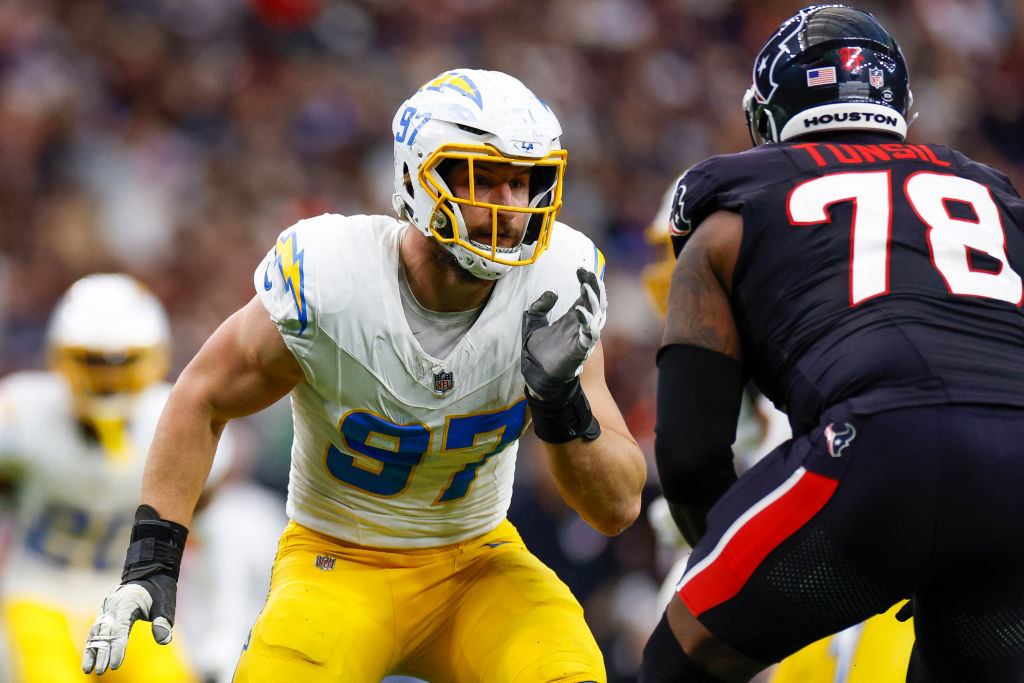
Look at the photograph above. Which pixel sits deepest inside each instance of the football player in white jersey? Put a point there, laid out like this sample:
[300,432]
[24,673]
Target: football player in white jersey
[416,352]
[73,444]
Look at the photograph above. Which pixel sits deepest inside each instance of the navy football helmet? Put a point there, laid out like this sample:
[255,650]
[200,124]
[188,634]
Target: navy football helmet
[828,67]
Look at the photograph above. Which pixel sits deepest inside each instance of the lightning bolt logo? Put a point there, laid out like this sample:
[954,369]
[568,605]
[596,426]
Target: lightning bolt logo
[459,82]
[289,261]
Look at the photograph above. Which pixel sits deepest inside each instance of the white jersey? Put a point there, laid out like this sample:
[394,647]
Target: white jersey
[75,494]
[395,448]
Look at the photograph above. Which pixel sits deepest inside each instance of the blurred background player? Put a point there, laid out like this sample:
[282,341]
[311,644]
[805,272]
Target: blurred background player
[874,651]
[73,443]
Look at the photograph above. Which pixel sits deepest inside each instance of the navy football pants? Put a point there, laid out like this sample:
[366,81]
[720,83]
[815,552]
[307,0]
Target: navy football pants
[864,510]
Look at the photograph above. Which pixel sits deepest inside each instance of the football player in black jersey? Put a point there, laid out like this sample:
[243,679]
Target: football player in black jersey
[871,288]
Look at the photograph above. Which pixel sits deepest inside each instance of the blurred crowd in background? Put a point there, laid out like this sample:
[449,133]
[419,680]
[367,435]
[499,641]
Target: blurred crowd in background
[173,140]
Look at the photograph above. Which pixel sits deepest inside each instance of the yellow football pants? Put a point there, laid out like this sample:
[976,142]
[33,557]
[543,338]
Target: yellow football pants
[878,651]
[46,647]
[482,611]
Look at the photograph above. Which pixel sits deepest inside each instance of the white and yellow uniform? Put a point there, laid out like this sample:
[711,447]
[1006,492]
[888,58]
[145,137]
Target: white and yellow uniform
[75,492]
[398,558]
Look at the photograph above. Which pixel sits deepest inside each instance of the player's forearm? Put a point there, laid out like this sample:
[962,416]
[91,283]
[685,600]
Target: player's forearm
[602,479]
[180,456]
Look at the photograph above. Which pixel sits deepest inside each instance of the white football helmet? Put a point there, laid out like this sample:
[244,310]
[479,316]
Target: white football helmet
[109,336]
[477,116]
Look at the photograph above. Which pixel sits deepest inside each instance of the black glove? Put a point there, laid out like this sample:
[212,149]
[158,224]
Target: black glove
[553,357]
[553,354]
[148,590]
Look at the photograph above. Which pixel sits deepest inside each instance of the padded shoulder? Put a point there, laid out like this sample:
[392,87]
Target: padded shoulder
[723,182]
[317,261]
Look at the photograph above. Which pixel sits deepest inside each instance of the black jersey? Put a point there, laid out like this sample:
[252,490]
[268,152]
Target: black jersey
[874,271]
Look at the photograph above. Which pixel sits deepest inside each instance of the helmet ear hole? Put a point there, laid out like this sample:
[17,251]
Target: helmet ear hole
[407,180]
[765,125]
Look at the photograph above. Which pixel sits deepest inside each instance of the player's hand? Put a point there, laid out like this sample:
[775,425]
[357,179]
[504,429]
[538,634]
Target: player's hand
[553,354]
[148,591]
[150,599]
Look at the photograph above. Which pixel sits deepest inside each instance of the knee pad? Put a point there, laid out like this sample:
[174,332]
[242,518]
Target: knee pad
[665,661]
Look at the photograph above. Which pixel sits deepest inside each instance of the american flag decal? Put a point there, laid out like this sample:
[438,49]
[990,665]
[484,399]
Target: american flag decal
[825,75]
[443,382]
[325,562]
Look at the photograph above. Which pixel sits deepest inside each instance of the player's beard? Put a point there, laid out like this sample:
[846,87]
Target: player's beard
[447,260]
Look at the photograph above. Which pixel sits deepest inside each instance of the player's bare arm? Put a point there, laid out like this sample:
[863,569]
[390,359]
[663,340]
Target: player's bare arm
[601,479]
[699,311]
[597,465]
[700,377]
[241,369]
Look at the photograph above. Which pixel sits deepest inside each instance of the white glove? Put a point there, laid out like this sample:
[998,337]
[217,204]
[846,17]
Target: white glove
[108,637]
[148,591]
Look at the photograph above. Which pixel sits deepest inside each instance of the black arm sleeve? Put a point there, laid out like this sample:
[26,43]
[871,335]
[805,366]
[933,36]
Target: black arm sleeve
[699,394]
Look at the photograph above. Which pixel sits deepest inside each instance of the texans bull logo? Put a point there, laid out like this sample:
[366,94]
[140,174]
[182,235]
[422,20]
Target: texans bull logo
[838,440]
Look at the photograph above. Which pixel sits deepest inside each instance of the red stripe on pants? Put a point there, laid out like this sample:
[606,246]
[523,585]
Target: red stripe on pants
[722,574]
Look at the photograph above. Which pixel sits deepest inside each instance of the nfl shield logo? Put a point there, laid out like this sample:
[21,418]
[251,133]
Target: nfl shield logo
[325,562]
[876,78]
[443,382]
